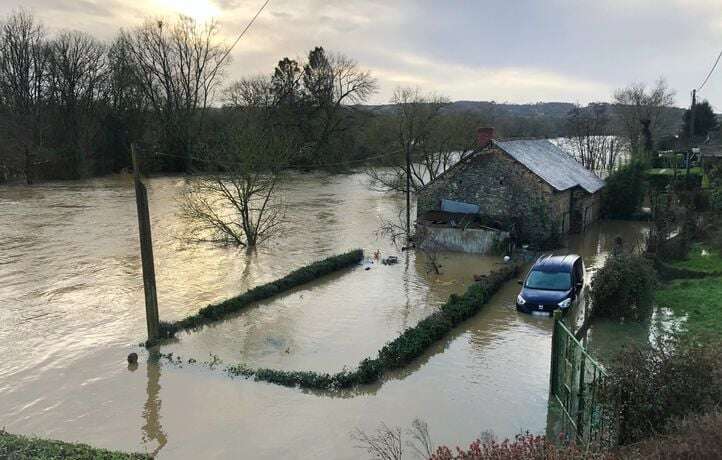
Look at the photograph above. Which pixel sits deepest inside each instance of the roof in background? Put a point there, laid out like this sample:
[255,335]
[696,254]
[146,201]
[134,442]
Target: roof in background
[552,164]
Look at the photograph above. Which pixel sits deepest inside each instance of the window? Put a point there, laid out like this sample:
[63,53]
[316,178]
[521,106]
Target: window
[549,281]
[578,271]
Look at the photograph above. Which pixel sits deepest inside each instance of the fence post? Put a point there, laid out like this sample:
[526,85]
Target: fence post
[146,251]
[553,374]
[580,404]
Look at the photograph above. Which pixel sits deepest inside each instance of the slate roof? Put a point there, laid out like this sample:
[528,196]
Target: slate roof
[551,164]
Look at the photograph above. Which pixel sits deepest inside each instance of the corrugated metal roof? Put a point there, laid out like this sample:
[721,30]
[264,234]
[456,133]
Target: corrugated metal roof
[552,164]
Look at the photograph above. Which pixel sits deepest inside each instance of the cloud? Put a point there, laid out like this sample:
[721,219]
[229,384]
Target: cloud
[521,50]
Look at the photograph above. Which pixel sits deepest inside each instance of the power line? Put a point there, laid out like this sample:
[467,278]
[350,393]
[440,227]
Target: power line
[710,71]
[243,32]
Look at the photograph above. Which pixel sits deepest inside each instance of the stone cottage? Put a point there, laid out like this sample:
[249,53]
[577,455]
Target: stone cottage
[529,188]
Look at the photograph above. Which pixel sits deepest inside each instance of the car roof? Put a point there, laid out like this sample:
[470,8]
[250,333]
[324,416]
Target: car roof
[550,263]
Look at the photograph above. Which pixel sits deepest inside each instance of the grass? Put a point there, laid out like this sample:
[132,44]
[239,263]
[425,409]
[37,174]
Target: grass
[399,352]
[701,258]
[21,447]
[700,300]
[298,277]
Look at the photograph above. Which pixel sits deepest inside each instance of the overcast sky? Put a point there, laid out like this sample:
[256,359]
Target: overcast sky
[501,50]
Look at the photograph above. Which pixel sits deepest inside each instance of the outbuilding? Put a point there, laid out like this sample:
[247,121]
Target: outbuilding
[528,188]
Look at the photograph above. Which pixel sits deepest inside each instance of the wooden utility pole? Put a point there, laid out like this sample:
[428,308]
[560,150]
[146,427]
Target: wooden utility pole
[146,251]
[408,194]
[691,128]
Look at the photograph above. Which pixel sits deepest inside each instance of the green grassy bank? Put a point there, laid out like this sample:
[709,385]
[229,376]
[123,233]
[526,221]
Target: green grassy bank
[21,448]
[697,295]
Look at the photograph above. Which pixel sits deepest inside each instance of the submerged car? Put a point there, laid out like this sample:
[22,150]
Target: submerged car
[553,282]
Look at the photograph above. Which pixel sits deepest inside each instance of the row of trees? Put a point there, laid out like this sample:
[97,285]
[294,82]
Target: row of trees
[72,103]
[602,135]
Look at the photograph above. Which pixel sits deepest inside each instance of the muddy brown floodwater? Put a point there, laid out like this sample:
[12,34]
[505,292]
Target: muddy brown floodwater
[71,309]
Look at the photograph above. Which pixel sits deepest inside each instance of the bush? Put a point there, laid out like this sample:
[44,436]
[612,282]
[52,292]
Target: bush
[295,278]
[715,199]
[522,447]
[624,287]
[648,388]
[624,191]
[695,437]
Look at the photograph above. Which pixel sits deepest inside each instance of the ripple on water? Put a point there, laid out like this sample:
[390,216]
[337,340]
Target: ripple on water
[72,308]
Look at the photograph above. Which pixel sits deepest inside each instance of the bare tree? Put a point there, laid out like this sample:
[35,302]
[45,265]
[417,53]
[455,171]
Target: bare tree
[387,443]
[333,83]
[23,67]
[239,207]
[253,92]
[241,204]
[179,67]
[77,80]
[637,106]
[590,139]
[425,144]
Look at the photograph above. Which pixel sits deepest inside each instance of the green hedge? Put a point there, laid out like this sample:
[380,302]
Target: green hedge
[399,352]
[296,278]
[21,448]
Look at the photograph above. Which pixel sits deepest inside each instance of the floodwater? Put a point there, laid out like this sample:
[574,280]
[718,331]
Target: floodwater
[71,309]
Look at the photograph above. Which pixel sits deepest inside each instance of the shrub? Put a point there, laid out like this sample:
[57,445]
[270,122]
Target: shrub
[623,287]
[648,388]
[624,191]
[715,198]
[522,447]
[697,436]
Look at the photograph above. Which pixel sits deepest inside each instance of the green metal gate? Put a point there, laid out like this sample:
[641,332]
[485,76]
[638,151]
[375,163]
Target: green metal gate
[576,383]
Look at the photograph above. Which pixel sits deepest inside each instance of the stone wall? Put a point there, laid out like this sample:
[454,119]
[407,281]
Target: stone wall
[586,209]
[506,191]
[472,240]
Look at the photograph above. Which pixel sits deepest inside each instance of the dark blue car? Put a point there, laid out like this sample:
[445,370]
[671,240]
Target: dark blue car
[553,282]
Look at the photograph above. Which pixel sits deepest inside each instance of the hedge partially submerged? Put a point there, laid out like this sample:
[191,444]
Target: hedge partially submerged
[296,278]
[399,352]
[21,447]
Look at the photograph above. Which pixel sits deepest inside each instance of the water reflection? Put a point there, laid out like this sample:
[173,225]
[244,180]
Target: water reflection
[71,295]
[152,429]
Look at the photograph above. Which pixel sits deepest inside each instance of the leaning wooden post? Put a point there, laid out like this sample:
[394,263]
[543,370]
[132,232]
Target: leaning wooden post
[146,252]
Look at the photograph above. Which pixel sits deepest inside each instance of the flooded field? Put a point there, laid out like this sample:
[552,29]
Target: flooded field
[71,309]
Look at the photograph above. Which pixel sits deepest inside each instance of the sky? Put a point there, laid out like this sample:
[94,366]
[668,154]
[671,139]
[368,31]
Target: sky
[519,51]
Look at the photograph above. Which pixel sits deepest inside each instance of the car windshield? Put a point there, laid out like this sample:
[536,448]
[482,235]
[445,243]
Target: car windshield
[551,281]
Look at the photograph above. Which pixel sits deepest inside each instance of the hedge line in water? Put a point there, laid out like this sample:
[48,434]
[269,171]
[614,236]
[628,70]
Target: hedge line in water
[298,277]
[399,352]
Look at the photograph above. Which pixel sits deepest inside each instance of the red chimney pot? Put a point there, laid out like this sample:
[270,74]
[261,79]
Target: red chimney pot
[484,136]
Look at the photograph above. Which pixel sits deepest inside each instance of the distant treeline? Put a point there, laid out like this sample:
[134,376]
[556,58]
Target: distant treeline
[71,105]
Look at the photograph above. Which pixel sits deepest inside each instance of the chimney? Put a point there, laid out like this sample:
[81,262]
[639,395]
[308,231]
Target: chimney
[484,136]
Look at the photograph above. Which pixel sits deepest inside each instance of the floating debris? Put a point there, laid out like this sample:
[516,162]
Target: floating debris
[390,260]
